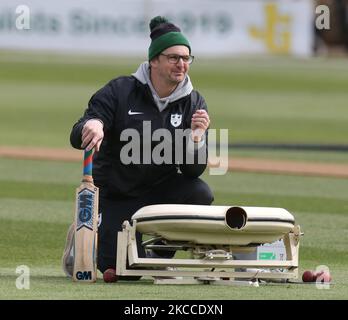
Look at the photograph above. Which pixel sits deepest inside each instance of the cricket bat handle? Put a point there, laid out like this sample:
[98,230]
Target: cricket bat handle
[88,166]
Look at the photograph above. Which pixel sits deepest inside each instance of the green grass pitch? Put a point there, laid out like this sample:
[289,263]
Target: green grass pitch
[258,100]
[36,209]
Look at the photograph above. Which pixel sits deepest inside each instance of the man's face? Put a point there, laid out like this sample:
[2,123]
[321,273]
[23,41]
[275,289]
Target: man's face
[171,73]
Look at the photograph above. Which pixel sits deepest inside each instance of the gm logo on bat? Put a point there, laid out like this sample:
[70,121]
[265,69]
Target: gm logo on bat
[85,209]
[84,275]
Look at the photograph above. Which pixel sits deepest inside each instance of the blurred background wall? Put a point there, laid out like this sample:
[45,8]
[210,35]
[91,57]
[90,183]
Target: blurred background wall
[215,28]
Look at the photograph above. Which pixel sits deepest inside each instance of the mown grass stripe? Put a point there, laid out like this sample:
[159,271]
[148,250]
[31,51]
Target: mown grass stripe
[66,192]
[291,203]
[36,190]
[323,256]
[31,242]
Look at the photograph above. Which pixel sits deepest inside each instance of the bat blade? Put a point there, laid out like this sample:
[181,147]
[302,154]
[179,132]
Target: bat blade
[86,225]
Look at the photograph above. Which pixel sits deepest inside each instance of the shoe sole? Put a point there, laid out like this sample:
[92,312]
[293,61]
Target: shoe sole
[68,246]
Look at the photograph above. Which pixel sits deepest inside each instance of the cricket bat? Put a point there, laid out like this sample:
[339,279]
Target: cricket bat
[86,225]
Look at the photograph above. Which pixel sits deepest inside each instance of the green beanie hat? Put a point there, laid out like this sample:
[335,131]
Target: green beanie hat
[164,35]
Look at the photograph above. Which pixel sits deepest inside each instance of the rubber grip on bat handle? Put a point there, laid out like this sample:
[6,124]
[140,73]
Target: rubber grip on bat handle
[88,163]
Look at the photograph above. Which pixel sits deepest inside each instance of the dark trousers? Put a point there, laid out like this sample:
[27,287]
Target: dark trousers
[177,189]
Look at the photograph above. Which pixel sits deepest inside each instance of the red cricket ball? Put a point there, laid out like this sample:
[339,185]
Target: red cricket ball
[308,276]
[322,277]
[109,275]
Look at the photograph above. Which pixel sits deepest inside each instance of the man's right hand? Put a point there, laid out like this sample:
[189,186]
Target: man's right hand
[92,135]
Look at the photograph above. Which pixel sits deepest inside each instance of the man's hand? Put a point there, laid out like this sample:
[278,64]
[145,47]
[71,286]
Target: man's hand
[92,135]
[199,124]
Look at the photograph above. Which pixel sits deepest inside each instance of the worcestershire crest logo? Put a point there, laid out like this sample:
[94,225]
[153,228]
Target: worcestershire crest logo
[175,119]
[85,209]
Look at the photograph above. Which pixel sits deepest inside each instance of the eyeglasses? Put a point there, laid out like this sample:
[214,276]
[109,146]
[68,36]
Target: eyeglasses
[175,58]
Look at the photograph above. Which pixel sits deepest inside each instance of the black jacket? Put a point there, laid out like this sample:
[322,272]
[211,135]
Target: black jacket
[125,103]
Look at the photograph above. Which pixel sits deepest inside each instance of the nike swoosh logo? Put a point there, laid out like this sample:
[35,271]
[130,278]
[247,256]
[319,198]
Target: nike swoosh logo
[131,113]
